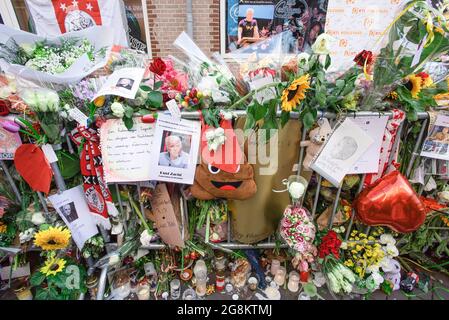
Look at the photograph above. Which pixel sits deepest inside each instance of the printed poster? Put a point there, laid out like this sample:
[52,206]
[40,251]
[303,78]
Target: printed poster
[436,145]
[72,207]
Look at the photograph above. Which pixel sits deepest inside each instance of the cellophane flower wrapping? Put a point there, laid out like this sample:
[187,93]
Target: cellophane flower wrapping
[415,38]
[298,230]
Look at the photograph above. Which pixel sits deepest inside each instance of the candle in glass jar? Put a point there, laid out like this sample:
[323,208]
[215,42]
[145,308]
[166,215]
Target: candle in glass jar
[201,283]
[279,278]
[293,281]
[24,293]
[175,289]
[275,264]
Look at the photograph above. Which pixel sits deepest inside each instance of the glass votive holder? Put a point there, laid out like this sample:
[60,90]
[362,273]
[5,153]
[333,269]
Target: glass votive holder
[279,278]
[293,281]
[189,294]
[175,289]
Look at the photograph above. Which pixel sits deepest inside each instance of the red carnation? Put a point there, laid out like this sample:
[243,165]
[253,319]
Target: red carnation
[364,57]
[330,243]
[158,66]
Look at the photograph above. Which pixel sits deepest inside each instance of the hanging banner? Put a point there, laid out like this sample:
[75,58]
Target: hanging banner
[52,18]
[357,25]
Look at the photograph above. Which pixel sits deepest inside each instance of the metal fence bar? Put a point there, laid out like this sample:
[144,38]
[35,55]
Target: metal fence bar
[11,181]
[43,202]
[416,148]
[351,221]
[317,195]
[335,207]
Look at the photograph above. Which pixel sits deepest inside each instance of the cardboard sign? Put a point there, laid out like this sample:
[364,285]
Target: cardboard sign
[166,216]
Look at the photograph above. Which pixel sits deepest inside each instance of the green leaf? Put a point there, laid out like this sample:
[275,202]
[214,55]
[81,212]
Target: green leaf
[146,88]
[308,120]
[143,112]
[157,85]
[340,83]
[285,116]
[250,122]
[41,294]
[155,99]
[129,112]
[328,62]
[37,278]
[128,122]
[260,111]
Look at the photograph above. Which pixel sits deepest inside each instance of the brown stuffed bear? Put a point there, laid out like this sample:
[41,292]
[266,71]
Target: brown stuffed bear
[318,137]
[211,183]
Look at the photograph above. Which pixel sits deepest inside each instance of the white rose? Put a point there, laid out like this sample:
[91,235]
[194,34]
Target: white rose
[227,115]
[114,259]
[145,238]
[296,190]
[391,250]
[28,48]
[372,269]
[387,239]
[52,100]
[38,218]
[303,57]
[219,131]
[117,109]
[322,44]
[443,196]
[210,134]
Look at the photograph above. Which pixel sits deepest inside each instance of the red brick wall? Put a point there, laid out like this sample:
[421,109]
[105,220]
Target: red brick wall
[167,19]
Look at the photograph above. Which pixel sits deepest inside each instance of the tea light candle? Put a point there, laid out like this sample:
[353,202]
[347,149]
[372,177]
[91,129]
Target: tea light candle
[279,278]
[143,292]
[189,294]
[175,289]
[293,281]
[275,264]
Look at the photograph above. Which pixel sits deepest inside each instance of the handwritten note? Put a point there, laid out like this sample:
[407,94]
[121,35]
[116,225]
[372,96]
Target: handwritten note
[126,153]
[165,218]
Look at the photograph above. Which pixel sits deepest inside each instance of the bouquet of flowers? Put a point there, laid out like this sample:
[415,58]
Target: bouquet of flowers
[340,278]
[298,230]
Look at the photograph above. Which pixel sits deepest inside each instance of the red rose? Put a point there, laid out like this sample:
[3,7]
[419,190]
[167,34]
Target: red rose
[4,107]
[158,66]
[364,57]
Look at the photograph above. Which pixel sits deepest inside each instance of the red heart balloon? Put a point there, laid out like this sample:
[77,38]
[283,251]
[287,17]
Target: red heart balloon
[33,166]
[392,202]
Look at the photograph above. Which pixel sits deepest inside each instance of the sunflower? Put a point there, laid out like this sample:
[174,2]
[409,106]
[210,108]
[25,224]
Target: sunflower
[393,95]
[295,93]
[3,227]
[426,79]
[53,266]
[414,84]
[53,238]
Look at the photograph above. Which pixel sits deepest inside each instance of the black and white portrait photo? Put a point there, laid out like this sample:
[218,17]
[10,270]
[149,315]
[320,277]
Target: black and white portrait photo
[69,212]
[125,83]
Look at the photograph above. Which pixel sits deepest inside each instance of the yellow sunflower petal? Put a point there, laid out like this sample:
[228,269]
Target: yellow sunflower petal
[295,93]
[53,238]
[53,266]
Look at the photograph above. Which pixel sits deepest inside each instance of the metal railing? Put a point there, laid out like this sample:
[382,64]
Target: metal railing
[423,117]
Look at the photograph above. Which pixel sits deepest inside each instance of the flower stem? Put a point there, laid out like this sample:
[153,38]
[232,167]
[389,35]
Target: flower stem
[142,219]
[253,92]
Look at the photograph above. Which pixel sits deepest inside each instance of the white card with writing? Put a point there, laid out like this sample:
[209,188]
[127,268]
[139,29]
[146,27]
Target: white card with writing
[126,153]
[375,127]
[175,151]
[79,117]
[173,107]
[346,145]
[123,82]
[72,207]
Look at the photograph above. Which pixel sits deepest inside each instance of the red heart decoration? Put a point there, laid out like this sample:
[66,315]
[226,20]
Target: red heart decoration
[392,202]
[33,166]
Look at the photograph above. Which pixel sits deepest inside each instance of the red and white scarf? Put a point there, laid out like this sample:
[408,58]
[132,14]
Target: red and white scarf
[95,189]
[386,150]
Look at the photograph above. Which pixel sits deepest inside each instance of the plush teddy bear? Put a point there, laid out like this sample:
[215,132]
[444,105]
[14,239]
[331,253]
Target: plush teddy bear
[318,137]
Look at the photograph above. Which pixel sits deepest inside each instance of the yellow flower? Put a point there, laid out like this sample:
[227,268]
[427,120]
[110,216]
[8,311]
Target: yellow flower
[393,95]
[349,263]
[3,227]
[295,93]
[414,84]
[53,238]
[53,266]
[99,102]
[370,238]
[358,248]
